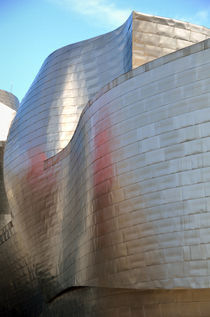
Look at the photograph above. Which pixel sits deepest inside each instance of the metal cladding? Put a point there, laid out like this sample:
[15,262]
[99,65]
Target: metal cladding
[106,172]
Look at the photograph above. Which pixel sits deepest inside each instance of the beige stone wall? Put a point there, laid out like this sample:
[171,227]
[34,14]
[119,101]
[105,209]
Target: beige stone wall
[154,37]
[9,99]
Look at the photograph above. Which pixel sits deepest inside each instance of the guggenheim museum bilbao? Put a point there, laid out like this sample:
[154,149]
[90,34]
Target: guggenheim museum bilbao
[105,178]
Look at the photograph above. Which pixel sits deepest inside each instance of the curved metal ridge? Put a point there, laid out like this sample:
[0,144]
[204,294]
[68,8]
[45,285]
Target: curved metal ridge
[106,169]
[66,291]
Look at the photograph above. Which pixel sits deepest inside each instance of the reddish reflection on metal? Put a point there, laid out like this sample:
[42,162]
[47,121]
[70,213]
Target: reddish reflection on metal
[36,165]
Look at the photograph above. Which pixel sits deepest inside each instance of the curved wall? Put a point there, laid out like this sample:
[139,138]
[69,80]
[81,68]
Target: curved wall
[8,99]
[135,182]
[72,75]
[131,187]
[43,125]
[67,80]
[120,206]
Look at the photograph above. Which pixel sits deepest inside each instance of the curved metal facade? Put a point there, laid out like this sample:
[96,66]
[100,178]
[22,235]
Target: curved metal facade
[125,203]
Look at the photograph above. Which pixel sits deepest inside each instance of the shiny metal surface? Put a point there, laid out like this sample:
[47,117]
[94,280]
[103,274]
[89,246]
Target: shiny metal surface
[120,198]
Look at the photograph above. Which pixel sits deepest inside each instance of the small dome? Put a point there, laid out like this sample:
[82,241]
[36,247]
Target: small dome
[8,106]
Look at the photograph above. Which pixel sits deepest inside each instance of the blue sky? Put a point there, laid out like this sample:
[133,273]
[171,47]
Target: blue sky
[32,29]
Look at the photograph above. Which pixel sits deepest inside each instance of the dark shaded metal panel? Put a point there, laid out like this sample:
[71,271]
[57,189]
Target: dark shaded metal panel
[5,214]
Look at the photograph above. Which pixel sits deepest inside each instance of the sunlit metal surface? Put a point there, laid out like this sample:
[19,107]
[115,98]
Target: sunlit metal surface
[120,198]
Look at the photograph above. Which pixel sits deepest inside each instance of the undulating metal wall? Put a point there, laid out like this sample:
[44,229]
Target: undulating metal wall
[125,203]
[133,183]
[67,80]
[43,125]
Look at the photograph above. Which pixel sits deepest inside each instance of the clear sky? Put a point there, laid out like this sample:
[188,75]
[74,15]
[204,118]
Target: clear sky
[32,29]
